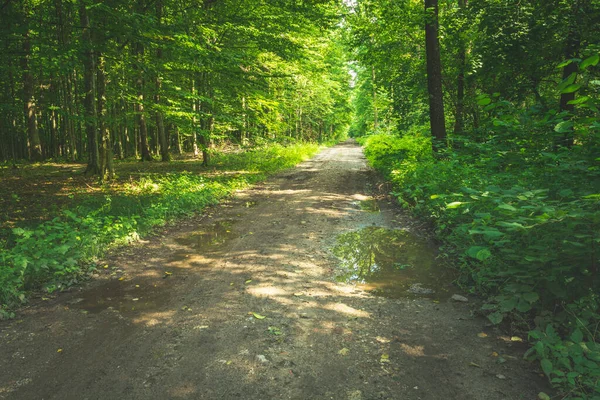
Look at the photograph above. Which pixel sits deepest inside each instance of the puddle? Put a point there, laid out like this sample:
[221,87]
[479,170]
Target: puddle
[392,263]
[370,205]
[124,297]
[213,235]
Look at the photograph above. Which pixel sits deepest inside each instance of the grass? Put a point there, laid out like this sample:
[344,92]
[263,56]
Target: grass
[56,222]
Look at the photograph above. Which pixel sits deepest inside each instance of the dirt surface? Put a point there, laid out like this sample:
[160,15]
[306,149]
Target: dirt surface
[171,318]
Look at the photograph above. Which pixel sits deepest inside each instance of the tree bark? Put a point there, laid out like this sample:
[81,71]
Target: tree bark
[106,153]
[459,124]
[29,105]
[89,85]
[572,46]
[434,76]
[160,123]
[139,105]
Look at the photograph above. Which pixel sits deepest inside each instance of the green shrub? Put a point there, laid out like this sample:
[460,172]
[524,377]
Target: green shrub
[522,222]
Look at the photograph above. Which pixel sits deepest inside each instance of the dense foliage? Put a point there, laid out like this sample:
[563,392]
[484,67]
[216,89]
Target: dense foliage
[515,197]
[83,80]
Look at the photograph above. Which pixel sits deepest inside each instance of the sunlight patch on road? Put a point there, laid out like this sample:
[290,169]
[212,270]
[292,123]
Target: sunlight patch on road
[345,309]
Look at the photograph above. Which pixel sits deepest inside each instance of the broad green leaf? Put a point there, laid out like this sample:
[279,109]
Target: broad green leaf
[577,336]
[590,61]
[547,366]
[564,126]
[571,88]
[479,252]
[496,317]
[508,305]
[579,100]
[454,204]
[508,207]
[531,297]
[484,101]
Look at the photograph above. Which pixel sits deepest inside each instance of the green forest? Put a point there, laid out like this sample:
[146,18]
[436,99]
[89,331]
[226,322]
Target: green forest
[120,116]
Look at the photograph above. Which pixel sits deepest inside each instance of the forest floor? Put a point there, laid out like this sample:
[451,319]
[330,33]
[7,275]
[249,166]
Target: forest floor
[242,303]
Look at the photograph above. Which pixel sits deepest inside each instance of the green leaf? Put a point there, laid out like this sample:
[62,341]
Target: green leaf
[571,88]
[579,100]
[454,204]
[508,207]
[496,317]
[590,61]
[484,101]
[479,252]
[547,366]
[523,306]
[577,336]
[508,305]
[531,297]
[564,126]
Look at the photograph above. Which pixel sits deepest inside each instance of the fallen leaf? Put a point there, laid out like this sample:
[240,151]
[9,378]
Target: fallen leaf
[385,358]
[298,294]
[167,273]
[495,354]
[135,299]
[516,339]
[137,286]
[343,351]
[228,362]
[121,278]
[258,316]
[59,351]
[482,335]
[472,364]
[382,339]
[248,281]
[231,284]
[543,396]
[106,266]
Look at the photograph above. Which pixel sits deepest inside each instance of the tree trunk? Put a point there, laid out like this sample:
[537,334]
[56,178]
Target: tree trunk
[434,76]
[459,123]
[160,123]
[89,85]
[572,46]
[375,116]
[29,106]
[139,107]
[106,153]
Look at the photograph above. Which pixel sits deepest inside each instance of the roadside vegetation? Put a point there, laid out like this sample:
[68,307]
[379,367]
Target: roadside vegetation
[513,189]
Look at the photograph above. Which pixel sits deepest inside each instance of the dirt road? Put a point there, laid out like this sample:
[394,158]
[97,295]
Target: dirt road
[242,303]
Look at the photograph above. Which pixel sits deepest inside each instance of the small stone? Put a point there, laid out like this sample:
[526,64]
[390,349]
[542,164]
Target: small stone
[458,297]
[500,376]
[262,359]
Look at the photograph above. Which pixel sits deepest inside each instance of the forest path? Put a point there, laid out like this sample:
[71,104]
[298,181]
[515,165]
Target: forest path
[171,317]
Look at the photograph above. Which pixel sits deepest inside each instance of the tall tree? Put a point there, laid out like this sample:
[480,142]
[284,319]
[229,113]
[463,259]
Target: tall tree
[434,75]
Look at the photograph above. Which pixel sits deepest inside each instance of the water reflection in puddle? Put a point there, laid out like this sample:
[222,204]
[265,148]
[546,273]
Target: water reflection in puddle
[215,234]
[392,263]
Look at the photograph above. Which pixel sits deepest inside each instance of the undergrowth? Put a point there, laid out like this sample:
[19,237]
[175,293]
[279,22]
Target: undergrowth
[522,219]
[60,252]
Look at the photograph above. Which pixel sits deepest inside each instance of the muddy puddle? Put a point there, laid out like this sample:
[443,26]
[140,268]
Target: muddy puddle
[213,235]
[124,297]
[392,263]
